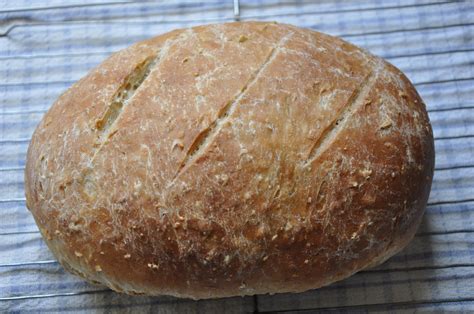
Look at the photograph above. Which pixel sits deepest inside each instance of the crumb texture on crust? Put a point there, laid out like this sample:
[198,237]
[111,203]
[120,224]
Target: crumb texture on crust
[231,159]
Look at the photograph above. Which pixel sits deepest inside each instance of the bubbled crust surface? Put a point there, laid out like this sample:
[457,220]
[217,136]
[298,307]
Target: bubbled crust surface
[253,158]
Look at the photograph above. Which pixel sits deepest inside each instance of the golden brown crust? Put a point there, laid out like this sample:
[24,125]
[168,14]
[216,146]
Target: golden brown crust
[231,159]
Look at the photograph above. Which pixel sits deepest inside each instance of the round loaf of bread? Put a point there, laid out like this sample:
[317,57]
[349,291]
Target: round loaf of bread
[231,159]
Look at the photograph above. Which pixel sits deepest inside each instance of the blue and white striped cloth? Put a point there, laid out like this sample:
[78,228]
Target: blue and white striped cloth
[47,45]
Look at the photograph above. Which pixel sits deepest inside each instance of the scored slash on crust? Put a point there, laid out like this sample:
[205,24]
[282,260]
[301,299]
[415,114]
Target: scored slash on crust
[106,125]
[124,95]
[355,101]
[206,137]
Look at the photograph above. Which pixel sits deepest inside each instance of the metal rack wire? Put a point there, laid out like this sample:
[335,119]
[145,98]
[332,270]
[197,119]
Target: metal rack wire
[457,115]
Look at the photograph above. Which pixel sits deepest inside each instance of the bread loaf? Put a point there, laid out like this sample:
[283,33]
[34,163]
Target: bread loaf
[231,159]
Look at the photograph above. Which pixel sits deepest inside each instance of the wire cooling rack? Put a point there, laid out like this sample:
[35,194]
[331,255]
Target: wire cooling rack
[46,46]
